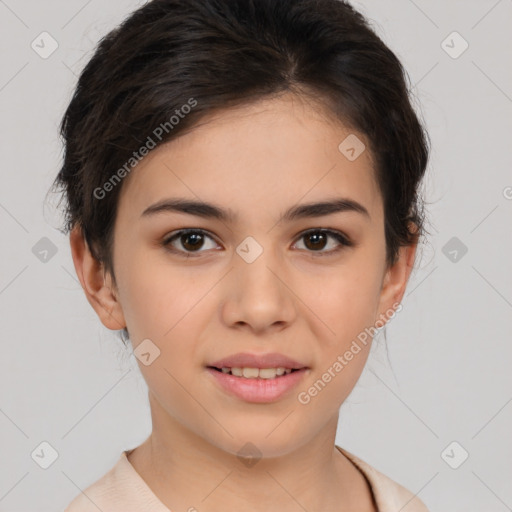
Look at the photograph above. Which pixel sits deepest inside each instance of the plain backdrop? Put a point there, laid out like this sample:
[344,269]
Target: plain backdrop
[443,390]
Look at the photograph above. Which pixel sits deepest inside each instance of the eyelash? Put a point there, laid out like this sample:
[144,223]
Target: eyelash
[342,239]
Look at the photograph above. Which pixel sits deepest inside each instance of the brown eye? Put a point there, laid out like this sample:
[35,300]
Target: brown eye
[190,241]
[193,240]
[317,240]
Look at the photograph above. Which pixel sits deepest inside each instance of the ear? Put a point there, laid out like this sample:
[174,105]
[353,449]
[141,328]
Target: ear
[396,277]
[96,283]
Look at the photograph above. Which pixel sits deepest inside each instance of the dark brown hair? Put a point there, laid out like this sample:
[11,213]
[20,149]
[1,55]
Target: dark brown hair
[217,54]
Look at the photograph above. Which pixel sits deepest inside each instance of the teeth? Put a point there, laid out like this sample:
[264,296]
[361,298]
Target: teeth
[254,373]
[267,373]
[250,373]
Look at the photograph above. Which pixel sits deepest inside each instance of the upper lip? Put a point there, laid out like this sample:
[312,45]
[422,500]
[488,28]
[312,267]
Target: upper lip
[246,360]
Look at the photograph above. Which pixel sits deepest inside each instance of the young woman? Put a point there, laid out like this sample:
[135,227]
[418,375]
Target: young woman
[241,181]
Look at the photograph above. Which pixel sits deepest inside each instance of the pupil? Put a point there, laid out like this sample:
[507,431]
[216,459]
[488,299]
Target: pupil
[317,238]
[196,240]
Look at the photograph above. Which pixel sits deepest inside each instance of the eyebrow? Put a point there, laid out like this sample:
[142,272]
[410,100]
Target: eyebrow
[209,210]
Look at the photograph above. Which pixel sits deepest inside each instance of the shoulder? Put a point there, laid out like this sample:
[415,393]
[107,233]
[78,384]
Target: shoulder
[96,495]
[121,489]
[389,495]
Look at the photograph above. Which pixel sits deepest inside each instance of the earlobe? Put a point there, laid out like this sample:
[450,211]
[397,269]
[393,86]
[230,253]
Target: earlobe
[97,284]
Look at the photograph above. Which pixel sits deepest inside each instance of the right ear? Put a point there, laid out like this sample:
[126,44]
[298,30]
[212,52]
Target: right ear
[96,283]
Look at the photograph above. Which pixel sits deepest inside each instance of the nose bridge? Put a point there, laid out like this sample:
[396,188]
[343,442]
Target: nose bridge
[258,295]
[258,263]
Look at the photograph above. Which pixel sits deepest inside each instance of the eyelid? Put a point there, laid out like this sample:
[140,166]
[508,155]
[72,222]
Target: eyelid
[332,232]
[343,240]
[174,235]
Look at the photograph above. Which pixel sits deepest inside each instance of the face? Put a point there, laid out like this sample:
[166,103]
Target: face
[256,280]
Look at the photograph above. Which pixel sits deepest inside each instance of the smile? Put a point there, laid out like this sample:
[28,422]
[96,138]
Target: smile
[255,373]
[257,385]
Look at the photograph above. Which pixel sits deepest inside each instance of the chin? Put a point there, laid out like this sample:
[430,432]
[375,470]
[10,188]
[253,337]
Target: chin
[254,443]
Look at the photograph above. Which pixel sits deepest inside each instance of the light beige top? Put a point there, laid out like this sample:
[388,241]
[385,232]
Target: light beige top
[122,489]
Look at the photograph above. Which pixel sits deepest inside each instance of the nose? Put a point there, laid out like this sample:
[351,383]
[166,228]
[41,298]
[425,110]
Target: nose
[259,295]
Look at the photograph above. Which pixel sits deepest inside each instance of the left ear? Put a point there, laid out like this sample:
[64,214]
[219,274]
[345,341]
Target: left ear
[396,277]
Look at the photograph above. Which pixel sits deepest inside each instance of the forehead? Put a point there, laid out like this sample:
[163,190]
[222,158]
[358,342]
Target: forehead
[257,158]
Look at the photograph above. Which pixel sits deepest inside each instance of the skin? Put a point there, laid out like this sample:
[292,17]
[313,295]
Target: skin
[257,160]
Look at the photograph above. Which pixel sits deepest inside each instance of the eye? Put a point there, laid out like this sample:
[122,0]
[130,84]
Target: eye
[317,240]
[191,240]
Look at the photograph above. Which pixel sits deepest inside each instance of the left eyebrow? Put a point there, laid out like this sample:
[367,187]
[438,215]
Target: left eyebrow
[209,210]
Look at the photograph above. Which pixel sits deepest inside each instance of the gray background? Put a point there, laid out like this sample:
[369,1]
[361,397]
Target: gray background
[67,380]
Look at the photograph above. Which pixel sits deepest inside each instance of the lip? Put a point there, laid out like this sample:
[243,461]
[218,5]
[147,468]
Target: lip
[247,360]
[258,390]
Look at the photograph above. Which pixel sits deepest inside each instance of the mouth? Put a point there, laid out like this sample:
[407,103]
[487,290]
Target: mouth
[256,373]
[257,378]
[257,385]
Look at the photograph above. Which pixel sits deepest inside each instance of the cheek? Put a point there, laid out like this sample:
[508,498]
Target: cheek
[163,305]
[347,304]
[157,301]
[342,359]
[346,301]
[331,385]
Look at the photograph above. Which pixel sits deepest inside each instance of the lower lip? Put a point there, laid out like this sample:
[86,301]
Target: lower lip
[258,390]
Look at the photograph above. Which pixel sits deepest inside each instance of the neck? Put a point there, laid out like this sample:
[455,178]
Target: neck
[187,472]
